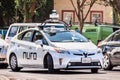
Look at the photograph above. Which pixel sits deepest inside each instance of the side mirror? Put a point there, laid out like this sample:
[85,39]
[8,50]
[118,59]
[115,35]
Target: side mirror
[39,42]
[116,37]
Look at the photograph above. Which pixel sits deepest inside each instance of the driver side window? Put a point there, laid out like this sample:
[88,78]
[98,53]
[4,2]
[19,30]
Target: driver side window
[39,36]
[27,36]
[115,37]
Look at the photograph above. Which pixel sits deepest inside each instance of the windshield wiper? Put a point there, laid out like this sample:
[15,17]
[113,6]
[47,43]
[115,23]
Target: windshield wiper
[55,41]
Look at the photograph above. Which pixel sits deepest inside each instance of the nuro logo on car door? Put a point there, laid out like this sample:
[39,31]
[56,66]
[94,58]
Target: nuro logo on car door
[30,55]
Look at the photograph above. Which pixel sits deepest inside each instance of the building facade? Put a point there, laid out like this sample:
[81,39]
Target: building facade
[100,12]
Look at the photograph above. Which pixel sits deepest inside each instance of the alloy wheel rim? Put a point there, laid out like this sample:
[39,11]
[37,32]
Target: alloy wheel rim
[13,62]
[106,61]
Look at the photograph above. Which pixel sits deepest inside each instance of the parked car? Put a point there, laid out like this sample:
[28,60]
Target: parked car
[16,28]
[111,50]
[53,50]
[3,52]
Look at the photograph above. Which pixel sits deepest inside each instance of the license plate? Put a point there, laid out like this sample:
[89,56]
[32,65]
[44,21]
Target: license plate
[86,60]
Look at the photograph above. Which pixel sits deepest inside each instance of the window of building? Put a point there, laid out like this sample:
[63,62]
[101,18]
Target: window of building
[68,16]
[96,17]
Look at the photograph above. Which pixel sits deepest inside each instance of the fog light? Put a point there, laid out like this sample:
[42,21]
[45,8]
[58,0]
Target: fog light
[60,61]
[98,63]
[69,64]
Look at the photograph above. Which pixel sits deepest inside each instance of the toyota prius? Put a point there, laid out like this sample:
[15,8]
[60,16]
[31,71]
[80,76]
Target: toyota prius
[53,50]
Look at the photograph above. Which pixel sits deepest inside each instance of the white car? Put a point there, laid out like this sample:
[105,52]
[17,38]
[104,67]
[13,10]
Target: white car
[16,28]
[3,52]
[53,50]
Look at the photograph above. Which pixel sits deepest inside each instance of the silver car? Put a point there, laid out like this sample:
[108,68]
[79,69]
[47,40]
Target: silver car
[111,50]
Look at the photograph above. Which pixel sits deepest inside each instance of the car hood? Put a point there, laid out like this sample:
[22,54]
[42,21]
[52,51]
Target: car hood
[76,45]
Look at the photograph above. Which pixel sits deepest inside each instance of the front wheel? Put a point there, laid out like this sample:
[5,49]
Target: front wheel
[94,70]
[50,63]
[13,63]
[107,63]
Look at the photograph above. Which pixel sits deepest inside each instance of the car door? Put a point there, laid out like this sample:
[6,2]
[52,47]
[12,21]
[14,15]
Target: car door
[112,46]
[37,50]
[24,48]
[115,54]
[12,31]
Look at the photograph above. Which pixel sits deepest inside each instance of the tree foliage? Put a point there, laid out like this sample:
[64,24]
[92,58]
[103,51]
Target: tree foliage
[7,11]
[115,4]
[28,8]
[43,13]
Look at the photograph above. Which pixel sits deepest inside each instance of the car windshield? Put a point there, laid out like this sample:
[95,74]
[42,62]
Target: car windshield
[56,26]
[66,36]
[52,26]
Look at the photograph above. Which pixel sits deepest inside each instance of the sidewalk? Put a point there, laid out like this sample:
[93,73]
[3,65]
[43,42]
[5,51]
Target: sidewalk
[3,77]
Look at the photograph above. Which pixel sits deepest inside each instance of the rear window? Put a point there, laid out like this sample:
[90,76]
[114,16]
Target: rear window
[22,28]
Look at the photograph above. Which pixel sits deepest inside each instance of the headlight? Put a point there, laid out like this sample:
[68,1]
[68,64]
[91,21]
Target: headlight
[61,50]
[4,49]
[99,51]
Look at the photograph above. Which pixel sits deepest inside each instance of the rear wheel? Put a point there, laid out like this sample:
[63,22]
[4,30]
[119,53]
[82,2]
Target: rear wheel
[94,70]
[107,63]
[50,63]
[13,63]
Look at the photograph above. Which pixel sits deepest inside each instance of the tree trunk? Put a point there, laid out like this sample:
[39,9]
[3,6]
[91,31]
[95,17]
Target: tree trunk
[32,9]
[81,26]
[29,12]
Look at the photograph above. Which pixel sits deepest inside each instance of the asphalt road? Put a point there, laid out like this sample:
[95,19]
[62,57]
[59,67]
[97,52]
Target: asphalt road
[38,74]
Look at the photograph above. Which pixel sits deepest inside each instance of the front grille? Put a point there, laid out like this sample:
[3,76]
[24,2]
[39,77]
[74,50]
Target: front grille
[0,49]
[84,64]
[78,54]
[83,54]
[2,59]
[91,54]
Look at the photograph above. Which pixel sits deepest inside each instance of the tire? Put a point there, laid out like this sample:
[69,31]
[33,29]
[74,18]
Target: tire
[107,63]
[13,63]
[50,64]
[94,70]
[3,66]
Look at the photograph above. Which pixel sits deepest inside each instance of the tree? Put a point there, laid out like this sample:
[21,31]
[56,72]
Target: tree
[79,10]
[28,8]
[115,4]
[43,13]
[7,11]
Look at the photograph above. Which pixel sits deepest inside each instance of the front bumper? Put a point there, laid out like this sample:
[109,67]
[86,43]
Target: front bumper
[3,59]
[79,65]
[77,62]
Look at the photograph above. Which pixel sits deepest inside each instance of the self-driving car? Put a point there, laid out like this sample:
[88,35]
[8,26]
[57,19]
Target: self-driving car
[111,50]
[54,50]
